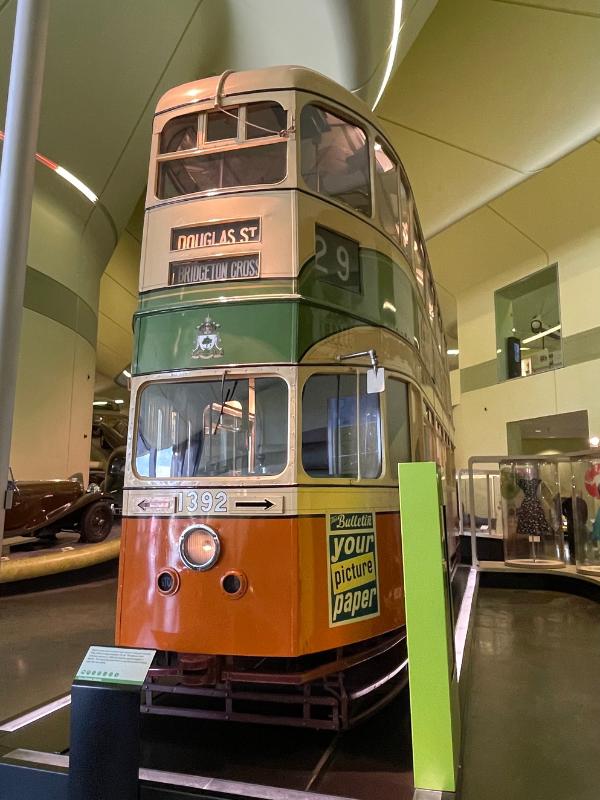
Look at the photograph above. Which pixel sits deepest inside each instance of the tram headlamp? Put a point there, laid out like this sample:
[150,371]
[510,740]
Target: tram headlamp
[199,547]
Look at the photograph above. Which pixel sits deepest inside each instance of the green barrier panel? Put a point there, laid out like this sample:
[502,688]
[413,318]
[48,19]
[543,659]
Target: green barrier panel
[434,704]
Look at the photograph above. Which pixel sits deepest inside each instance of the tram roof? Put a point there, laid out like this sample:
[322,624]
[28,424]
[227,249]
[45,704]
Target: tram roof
[264,80]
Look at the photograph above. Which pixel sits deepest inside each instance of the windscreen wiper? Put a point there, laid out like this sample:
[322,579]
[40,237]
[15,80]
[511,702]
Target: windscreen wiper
[224,400]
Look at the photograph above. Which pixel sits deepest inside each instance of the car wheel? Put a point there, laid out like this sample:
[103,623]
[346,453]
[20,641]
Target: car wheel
[96,522]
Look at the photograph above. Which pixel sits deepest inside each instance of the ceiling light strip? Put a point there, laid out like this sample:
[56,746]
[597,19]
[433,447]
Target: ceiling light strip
[392,50]
[64,173]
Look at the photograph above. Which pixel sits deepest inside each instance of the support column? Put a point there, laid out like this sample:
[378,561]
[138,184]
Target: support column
[16,190]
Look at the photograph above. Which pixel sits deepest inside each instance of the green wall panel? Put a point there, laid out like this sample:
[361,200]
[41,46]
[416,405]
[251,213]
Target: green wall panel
[54,300]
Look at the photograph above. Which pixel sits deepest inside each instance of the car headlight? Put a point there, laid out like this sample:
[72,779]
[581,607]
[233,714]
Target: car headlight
[199,547]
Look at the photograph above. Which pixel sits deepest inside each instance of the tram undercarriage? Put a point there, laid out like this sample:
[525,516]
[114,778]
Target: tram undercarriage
[333,690]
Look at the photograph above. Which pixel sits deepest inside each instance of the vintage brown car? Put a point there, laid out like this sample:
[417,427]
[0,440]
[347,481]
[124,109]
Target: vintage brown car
[43,508]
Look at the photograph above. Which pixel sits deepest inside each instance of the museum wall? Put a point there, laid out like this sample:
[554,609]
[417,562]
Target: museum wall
[68,249]
[553,217]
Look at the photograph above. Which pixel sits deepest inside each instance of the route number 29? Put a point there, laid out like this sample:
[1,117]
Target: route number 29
[337,259]
[342,258]
[203,502]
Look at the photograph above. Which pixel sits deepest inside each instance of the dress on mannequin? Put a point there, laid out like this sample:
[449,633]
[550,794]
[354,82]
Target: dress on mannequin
[531,520]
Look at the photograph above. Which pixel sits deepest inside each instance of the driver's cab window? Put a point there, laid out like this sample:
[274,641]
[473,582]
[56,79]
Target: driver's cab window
[341,427]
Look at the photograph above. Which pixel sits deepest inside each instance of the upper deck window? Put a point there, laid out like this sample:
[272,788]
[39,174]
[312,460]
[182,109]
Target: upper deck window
[405,216]
[335,158]
[419,260]
[213,168]
[180,133]
[222,125]
[386,190]
[212,428]
[247,166]
[264,119]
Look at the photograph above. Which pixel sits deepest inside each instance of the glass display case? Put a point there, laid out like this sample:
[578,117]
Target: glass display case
[532,514]
[488,506]
[585,514]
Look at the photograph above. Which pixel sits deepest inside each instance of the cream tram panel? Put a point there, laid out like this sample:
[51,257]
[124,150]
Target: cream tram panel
[276,245]
[232,501]
[313,211]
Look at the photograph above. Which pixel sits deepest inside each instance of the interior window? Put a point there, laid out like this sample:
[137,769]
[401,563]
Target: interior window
[334,443]
[419,261]
[180,133]
[247,166]
[265,119]
[431,302]
[386,190]
[430,444]
[212,428]
[335,158]
[427,347]
[221,125]
[396,398]
[404,217]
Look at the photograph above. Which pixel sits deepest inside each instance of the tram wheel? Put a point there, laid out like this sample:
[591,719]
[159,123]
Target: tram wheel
[96,522]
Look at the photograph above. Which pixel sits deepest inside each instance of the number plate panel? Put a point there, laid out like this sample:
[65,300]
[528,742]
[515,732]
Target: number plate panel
[201,502]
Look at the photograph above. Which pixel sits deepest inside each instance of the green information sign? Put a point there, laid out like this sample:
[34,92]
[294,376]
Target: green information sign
[115,665]
[434,707]
[352,568]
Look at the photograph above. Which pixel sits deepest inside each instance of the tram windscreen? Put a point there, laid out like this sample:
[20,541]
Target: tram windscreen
[242,166]
[212,428]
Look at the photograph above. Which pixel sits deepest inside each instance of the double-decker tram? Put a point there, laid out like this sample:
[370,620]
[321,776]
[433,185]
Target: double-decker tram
[288,353]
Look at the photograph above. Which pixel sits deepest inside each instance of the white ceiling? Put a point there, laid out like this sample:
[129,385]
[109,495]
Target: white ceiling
[491,92]
[527,226]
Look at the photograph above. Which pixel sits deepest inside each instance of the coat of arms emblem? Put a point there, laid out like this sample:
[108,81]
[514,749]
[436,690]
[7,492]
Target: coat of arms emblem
[208,340]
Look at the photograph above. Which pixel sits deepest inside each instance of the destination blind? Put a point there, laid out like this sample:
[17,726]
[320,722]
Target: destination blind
[215,234]
[211,270]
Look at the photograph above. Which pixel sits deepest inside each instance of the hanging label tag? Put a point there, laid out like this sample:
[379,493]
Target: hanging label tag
[375,381]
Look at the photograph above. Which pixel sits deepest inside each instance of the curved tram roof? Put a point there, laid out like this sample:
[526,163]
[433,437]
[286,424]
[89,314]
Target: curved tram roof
[264,80]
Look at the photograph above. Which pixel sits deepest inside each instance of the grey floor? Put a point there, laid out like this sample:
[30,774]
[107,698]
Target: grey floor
[533,723]
[44,636]
[532,729]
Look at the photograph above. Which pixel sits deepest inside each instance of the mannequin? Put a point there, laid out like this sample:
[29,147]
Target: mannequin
[531,520]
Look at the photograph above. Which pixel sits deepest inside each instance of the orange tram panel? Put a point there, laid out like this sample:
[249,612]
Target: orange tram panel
[285,608]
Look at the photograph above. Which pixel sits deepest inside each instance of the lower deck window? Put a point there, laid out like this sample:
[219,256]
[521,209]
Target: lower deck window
[212,428]
[397,422]
[341,427]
